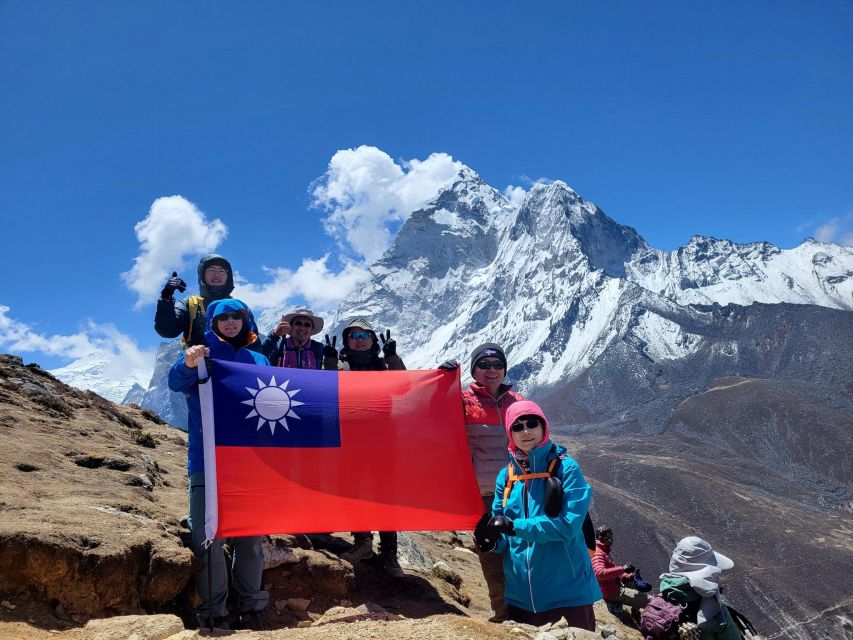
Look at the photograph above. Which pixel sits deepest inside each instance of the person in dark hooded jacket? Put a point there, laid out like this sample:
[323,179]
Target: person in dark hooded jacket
[231,331]
[187,317]
[360,352]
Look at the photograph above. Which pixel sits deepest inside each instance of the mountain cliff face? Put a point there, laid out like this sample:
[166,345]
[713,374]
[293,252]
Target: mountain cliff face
[559,284]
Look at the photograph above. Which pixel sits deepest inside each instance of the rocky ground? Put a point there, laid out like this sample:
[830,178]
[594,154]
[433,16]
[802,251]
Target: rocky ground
[758,468]
[91,500]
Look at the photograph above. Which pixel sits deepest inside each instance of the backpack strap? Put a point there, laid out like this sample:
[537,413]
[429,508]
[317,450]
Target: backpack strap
[512,477]
[193,305]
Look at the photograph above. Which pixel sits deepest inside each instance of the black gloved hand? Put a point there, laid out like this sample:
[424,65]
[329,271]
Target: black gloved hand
[502,524]
[329,351]
[485,537]
[629,568]
[389,346]
[173,283]
[449,365]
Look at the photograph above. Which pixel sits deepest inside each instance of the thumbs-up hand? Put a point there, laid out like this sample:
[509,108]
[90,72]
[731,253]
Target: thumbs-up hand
[172,284]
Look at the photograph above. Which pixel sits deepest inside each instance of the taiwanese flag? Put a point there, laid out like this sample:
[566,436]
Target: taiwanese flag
[301,451]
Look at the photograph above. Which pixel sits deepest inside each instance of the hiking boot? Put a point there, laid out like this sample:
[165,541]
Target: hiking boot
[219,623]
[391,566]
[361,549]
[249,620]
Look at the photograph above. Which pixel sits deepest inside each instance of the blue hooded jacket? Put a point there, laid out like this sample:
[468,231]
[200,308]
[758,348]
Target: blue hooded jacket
[185,379]
[546,562]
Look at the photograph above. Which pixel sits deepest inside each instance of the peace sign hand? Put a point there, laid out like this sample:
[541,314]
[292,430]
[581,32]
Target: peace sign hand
[329,351]
[389,346]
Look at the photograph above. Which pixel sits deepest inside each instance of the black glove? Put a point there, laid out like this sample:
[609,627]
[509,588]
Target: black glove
[174,283]
[502,524]
[485,537]
[329,350]
[389,346]
[629,568]
[449,365]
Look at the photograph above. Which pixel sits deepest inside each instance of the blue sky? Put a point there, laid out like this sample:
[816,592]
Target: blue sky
[677,118]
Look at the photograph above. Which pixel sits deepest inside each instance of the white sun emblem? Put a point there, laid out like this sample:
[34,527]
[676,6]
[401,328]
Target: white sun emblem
[273,404]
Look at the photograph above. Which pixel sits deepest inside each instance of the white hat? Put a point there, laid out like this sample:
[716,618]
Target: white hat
[692,553]
[317,321]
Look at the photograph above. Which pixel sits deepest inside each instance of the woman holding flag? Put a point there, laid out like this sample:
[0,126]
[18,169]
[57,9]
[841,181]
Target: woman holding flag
[360,352]
[230,332]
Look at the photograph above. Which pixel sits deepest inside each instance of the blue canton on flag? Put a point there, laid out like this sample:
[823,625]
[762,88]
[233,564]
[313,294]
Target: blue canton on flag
[282,407]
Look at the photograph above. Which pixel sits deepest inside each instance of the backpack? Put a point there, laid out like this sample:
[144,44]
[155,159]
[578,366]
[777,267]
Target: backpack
[659,619]
[553,496]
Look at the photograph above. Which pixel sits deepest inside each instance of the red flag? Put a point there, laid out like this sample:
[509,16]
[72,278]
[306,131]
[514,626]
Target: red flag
[301,451]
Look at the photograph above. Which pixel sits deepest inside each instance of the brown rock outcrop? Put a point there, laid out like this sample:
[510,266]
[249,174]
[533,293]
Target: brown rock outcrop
[91,495]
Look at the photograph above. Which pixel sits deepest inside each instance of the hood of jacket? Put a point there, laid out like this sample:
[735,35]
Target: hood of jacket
[525,408]
[215,293]
[229,305]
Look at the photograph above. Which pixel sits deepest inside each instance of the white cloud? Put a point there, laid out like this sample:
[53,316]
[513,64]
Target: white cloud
[173,230]
[515,195]
[312,282]
[838,230]
[365,191]
[118,355]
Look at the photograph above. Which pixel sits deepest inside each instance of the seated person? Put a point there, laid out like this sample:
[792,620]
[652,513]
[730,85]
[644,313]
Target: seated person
[610,576]
[694,580]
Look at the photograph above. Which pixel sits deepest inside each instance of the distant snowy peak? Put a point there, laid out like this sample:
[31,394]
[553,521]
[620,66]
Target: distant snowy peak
[708,270]
[555,209]
[102,373]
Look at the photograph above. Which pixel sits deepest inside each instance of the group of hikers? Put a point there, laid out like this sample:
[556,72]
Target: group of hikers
[540,559]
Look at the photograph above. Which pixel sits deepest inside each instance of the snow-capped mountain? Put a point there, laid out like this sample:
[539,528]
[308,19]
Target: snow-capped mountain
[99,373]
[558,283]
[707,270]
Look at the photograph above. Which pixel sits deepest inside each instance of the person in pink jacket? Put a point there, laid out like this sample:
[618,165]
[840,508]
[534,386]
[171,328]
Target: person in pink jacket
[610,576]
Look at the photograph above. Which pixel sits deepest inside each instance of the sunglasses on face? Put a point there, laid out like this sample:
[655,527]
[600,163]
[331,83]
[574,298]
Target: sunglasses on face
[300,323]
[530,425]
[490,365]
[359,335]
[230,316]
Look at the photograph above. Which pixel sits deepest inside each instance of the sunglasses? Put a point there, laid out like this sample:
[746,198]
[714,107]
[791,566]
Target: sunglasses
[299,323]
[531,424]
[236,315]
[490,365]
[360,335]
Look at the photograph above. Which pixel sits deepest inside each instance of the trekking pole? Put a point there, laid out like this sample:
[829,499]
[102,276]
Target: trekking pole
[210,586]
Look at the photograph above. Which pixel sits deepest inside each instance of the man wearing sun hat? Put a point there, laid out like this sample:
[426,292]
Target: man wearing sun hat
[290,343]
[694,580]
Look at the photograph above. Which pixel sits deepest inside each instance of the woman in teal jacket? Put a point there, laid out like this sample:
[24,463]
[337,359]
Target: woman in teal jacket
[541,500]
